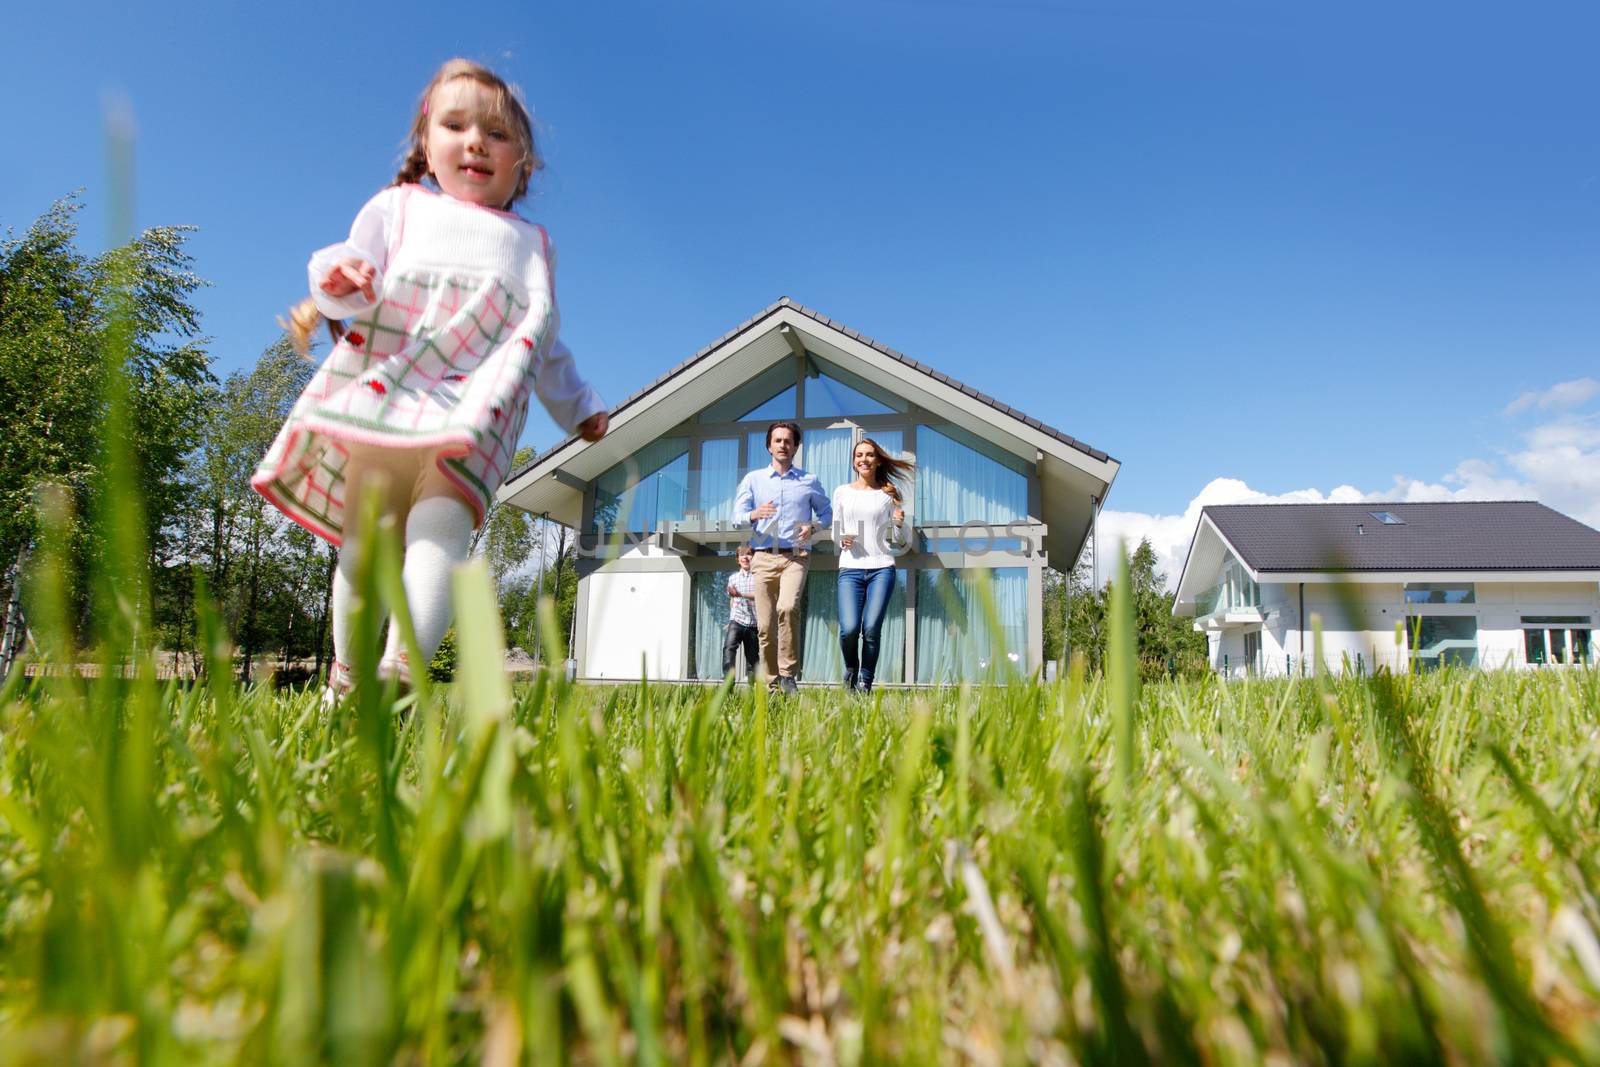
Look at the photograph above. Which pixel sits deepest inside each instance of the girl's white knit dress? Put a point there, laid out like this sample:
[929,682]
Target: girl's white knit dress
[464,325]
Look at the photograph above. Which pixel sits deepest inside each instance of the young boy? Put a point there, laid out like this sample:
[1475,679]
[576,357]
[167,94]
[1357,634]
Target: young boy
[741,631]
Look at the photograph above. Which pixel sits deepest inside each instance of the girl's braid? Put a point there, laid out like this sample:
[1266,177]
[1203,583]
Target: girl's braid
[415,167]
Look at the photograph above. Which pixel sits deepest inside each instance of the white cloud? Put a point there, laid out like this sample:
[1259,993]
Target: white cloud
[1558,465]
[1562,395]
[1169,535]
[1562,459]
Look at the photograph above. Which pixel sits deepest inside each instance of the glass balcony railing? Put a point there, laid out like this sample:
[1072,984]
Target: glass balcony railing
[1236,592]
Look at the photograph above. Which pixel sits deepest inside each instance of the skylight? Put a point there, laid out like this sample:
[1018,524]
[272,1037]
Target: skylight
[1388,518]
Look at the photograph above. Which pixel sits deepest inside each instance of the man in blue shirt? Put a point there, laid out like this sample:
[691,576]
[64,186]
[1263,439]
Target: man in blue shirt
[784,505]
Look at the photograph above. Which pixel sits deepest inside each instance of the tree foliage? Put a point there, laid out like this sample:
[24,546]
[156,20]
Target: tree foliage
[56,311]
[1167,644]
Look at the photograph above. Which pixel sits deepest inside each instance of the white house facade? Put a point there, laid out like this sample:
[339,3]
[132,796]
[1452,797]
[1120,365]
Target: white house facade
[996,497]
[1401,586]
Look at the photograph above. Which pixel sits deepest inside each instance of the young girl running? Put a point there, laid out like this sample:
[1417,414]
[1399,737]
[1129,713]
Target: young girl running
[451,302]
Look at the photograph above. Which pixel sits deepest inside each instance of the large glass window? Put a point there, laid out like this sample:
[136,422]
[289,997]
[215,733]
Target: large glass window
[1551,639]
[891,441]
[894,443]
[781,406]
[1441,640]
[769,395]
[719,479]
[832,392]
[827,397]
[957,639]
[1440,593]
[821,660]
[956,482]
[708,594]
[648,488]
[757,450]
[826,454]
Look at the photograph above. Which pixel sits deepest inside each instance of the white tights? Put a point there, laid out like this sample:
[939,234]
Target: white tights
[438,529]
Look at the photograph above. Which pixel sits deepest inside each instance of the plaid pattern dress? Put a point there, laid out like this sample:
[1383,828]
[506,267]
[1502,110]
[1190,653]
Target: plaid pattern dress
[463,328]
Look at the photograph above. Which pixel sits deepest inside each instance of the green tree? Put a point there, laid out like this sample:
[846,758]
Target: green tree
[1074,616]
[1166,643]
[55,312]
[49,377]
[251,559]
[49,370]
[508,535]
[560,582]
[171,385]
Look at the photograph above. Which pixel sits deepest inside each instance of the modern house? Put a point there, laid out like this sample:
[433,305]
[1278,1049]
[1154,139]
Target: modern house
[997,497]
[1403,586]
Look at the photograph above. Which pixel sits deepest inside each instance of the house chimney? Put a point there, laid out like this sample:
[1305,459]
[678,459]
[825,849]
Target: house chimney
[1360,530]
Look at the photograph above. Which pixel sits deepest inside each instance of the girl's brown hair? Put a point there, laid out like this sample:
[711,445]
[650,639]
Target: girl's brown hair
[508,106]
[888,473]
[303,317]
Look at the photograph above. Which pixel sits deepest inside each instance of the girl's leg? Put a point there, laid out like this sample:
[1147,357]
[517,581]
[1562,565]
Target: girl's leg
[339,677]
[437,534]
[852,594]
[879,585]
[367,468]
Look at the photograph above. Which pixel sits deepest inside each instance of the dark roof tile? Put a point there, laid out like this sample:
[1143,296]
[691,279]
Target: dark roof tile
[1503,535]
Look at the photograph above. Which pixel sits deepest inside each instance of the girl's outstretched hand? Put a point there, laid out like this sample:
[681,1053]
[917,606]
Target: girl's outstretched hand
[347,276]
[594,427]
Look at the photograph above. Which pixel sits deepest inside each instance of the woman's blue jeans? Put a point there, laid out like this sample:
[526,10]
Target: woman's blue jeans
[863,599]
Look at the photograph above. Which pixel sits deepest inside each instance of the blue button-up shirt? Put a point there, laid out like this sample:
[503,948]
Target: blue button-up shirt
[798,495]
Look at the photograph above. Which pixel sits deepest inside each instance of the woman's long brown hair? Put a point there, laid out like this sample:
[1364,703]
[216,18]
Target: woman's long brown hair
[888,473]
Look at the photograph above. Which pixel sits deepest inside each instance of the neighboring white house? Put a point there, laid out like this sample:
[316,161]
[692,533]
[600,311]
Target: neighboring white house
[996,494]
[1485,583]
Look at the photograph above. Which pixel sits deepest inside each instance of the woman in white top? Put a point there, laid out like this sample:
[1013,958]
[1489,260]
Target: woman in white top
[866,513]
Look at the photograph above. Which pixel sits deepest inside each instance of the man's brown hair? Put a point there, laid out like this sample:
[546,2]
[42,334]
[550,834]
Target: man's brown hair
[792,427]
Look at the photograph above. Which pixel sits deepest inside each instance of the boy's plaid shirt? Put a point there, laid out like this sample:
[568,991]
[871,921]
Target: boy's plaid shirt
[740,610]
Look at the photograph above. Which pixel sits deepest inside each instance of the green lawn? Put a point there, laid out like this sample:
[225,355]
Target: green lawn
[1350,871]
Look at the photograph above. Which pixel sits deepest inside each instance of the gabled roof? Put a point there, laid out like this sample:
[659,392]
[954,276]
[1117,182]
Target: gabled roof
[1072,474]
[1490,535]
[1518,539]
[817,316]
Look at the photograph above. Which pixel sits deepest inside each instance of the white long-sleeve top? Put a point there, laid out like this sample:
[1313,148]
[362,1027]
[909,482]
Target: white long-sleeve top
[463,327]
[867,516]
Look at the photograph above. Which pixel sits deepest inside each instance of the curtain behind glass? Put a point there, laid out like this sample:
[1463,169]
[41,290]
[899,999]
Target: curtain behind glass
[894,443]
[719,479]
[827,455]
[708,592]
[957,484]
[759,456]
[891,441]
[821,660]
[955,641]
[660,492]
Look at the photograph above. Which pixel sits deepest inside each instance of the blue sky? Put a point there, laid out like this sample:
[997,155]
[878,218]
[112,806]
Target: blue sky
[1251,252]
